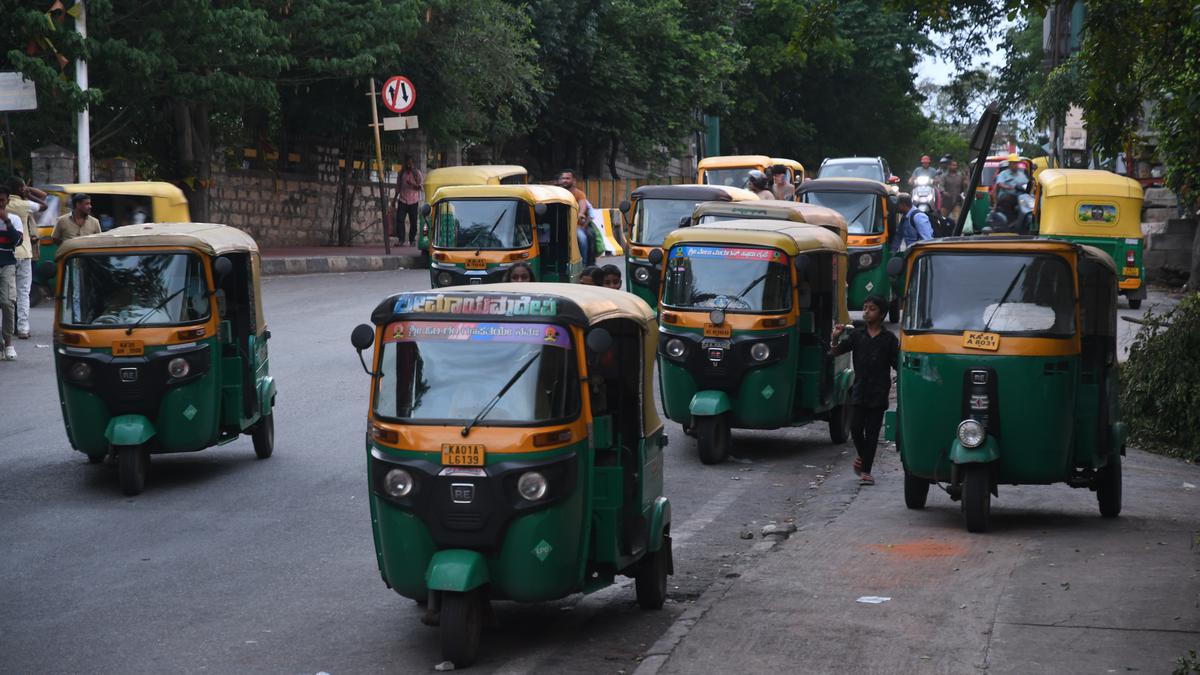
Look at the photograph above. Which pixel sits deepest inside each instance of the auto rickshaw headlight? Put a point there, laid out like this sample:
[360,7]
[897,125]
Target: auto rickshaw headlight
[398,483]
[445,278]
[178,367]
[675,348]
[641,274]
[760,351]
[79,371]
[532,486]
[866,260]
[971,433]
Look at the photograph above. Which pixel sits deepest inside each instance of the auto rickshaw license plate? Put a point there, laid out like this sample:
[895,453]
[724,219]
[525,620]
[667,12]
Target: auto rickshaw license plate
[717,331]
[461,454]
[1129,271]
[128,348]
[974,339]
[476,264]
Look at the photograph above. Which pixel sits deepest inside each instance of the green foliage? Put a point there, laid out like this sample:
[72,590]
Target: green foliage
[1188,664]
[1160,391]
[1175,43]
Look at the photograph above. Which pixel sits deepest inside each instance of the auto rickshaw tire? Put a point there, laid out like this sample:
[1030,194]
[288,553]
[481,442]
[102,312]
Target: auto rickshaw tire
[264,436]
[651,579]
[1135,303]
[712,438]
[36,295]
[95,459]
[461,626]
[839,424]
[977,498]
[916,491]
[132,463]
[1108,488]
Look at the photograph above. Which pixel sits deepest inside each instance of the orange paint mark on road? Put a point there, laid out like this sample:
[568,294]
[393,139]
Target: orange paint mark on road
[917,550]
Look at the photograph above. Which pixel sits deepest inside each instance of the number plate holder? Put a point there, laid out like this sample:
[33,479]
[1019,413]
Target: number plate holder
[1130,272]
[128,348]
[463,454]
[975,339]
[476,264]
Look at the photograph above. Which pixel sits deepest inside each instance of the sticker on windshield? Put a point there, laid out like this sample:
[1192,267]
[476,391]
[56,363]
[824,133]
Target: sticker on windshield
[729,253]
[1097,213]
[526,333]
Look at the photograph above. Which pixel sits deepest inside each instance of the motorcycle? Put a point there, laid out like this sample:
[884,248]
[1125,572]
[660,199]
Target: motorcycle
[927,199]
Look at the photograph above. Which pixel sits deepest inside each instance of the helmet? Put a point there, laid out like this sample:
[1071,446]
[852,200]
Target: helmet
[1014,157]
[757,178]
[945,158]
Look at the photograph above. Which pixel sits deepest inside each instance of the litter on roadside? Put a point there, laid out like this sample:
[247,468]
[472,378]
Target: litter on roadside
[872,600]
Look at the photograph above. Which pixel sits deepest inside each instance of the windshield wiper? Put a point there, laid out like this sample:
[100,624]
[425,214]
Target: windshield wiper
[492,229]
[496,399]
[1004,298]
[129,331]
[855,218]
[738,297]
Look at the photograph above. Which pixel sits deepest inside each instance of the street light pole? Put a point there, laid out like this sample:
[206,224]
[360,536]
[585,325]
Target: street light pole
[82,122]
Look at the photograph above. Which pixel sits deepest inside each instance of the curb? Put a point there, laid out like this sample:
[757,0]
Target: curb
[339,263]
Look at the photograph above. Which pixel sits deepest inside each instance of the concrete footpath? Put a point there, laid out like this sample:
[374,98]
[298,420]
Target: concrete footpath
[318,259]
[1054,588]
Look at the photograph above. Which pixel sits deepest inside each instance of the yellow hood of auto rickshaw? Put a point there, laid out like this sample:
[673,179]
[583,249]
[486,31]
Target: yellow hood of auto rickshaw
[209,238]
[796,167]
[482,174]
[775,209]
[138,188]
[735,161]
[532,194]
[1065,191]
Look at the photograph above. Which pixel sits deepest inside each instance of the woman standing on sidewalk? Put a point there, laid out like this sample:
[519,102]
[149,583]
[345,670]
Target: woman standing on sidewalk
[876,350]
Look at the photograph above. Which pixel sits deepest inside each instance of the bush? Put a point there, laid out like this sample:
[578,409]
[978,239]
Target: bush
[1160,383]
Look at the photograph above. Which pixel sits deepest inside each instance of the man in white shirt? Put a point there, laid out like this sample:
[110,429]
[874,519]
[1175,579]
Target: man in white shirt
[11,234]
[25,203]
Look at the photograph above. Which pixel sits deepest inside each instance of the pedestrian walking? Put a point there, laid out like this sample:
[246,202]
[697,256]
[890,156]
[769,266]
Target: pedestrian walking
[914,223]
[876,351]
[78,222]
[11,234]
[24,203]
[407,199]
[953,184]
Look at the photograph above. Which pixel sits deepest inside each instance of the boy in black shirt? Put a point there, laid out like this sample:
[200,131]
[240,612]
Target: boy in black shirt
[876,350]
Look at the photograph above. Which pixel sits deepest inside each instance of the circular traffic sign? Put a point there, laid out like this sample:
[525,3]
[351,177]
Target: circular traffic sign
[399,94]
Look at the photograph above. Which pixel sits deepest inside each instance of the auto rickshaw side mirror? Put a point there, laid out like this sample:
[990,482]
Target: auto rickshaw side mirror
[539,210]
[685,221]
[426,209]
[222,267]
[895,266]
[656,257]
[362,337]
[802,264]
[45,270]
[599,340]
[624,206]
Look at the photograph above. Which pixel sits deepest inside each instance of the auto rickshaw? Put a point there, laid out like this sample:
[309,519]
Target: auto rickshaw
[747,311]
[707,213]
[160,344]
[480,174]
[536,477]
[795,174]
[730,170]
[114,205]
[985,198]
[870,212]
[658,209]
[1100,209]
[1008,372]
[480,231]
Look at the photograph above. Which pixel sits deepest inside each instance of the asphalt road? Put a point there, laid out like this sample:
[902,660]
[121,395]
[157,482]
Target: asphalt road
[231,564]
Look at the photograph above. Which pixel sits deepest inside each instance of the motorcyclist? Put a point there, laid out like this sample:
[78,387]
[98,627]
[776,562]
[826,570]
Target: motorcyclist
[759,184]
[1011,179]
[924,170]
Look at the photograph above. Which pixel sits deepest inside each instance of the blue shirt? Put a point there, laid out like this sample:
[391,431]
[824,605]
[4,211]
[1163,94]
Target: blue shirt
[915,226]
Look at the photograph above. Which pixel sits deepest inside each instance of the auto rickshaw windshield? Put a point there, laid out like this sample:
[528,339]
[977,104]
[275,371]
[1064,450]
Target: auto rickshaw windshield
[861,211]
[1012,293]
[150,289]
[483,224]
[432,372]
[731,278]
[735,177]
[656,218]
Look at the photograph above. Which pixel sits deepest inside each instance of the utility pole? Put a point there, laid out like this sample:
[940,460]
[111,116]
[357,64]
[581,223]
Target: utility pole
[82,123]
[387,240]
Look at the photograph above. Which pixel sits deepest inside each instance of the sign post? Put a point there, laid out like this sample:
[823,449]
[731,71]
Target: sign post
[399,94]
[387,238]
[16,93]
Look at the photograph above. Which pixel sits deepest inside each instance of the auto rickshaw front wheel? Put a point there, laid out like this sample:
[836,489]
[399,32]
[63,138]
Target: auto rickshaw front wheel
[461,626]
[651,579]
[1108,488]
[916,491]
[132,463]
[264,436]
[712,438]
[977,498]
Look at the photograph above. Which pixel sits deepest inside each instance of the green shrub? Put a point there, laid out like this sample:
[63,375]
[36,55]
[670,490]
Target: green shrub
[1160,383]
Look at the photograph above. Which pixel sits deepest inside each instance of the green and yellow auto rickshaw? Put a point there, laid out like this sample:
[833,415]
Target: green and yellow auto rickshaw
[730,170]
[1100,209]
[477,174]
[480,231]
[656,211]
[748,307]
[529,480]
[1008,371]
[114,205]
[873,239]
[160,344]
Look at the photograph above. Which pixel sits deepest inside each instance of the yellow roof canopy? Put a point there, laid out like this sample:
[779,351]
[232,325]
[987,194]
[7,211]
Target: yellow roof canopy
[208,238]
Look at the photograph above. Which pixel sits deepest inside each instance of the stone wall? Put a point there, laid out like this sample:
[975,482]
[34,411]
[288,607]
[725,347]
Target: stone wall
[1169,238]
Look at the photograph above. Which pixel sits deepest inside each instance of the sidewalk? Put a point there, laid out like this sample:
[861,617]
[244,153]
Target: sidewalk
[316,259]
[1053,588]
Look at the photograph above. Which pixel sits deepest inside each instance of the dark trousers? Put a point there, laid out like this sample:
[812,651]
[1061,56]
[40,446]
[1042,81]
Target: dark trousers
[409,212]
[864,428]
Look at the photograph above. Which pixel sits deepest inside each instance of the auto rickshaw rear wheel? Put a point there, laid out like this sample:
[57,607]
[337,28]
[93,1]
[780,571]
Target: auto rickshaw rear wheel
[1108,488]
[839,424]
[1135,303]
[916,491]
[95,459]
[651,579]
[712,438]
[132,461]
[461,626]
[264,436]
[977,498]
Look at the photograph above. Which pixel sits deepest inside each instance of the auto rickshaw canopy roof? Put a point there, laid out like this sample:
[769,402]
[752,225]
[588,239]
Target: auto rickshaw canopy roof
[480,174]
[789,163]
[1005,243]
[694,191]
[775,209]
[208,238]
[134,188]
[735,161]
[532,194]
[1087,183]
[864,185]
[788,236]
